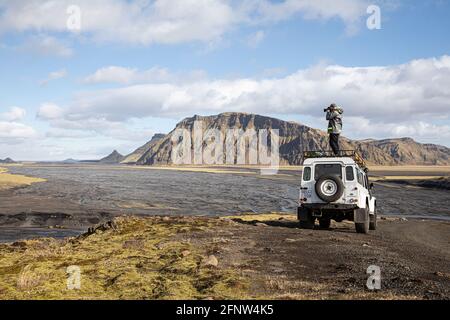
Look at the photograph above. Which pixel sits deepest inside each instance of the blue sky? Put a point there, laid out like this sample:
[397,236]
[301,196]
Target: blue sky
[135,68]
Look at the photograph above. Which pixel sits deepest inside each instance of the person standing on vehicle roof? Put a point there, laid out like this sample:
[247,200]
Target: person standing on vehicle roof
[334,117]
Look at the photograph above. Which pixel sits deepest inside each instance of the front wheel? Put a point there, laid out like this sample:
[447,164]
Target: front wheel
[363,227]
[373,220]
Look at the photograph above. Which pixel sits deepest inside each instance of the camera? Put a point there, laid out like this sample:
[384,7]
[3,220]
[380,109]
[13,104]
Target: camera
[332,107]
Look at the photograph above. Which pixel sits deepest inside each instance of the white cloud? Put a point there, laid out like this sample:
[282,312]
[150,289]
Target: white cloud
[360,127]
[122,75]
[142,22]
[14,132]
[166,21]
[69,126]
[67,133]
[411,91]
[263,11]
[49,111]
[55,75]
[112,74]
[14,114]
[45,45]
[11,130]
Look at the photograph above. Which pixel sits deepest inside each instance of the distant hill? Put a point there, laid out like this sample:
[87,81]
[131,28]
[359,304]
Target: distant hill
[70,161]
[112,158]
[134,157]
[403,151]
[7,161]
[294,139]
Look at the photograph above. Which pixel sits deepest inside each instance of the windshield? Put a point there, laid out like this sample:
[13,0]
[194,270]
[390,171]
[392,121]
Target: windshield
[327,169]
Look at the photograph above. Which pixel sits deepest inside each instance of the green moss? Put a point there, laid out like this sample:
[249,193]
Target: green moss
[134,258]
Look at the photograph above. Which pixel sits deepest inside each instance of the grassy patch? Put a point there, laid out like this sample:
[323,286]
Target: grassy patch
[131,258]
[9,181]
[273,216]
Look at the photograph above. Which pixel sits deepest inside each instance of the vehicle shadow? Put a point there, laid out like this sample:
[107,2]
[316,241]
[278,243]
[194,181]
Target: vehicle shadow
[293,225]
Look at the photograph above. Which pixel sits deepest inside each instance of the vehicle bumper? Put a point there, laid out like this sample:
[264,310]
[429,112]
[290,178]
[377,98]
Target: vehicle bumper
[338,212]
[329,206]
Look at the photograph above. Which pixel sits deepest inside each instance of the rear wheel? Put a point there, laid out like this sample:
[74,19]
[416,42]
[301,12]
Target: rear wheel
[373,220]
[363,227]
[325,223]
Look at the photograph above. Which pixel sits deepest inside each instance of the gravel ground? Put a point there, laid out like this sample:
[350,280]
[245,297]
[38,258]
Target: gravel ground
[286,262]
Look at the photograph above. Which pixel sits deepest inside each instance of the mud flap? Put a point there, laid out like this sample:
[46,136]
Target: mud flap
[302,214]
[360,215]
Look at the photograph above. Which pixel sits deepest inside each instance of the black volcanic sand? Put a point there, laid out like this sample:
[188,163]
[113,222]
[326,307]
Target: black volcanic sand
[78,196]
[442,183]
[413,256]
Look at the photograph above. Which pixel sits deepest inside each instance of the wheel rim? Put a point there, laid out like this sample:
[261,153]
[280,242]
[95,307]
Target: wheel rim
[329,188]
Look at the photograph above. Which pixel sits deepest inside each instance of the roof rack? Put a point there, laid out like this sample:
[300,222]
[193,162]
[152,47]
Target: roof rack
[330,154]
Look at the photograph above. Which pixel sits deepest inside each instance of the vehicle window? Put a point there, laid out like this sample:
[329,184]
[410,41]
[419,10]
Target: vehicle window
[349,173]
[360,177]
[306,173]
[364,180]
[326,169]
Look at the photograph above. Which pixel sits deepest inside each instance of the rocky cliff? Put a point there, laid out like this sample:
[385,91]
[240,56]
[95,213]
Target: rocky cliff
[137,154]
[294,139]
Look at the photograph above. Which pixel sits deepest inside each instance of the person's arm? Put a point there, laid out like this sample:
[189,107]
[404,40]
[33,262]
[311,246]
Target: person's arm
[331,115]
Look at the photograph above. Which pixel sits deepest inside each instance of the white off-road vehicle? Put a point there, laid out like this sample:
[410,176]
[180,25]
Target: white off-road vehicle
[336,187]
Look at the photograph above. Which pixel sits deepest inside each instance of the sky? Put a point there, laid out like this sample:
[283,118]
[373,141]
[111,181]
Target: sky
[81,78]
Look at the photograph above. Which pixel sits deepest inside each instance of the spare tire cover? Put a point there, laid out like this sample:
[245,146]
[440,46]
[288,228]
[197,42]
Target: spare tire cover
[329,188]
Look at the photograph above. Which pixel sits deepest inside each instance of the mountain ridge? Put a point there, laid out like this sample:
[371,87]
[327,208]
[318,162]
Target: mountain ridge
[294,139]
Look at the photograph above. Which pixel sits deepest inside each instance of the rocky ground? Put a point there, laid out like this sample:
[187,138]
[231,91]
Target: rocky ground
[250,256]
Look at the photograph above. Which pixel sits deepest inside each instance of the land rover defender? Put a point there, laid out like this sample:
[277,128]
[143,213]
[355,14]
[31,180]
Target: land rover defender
[336,187]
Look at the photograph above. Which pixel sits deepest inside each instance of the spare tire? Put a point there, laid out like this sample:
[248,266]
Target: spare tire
[329,188]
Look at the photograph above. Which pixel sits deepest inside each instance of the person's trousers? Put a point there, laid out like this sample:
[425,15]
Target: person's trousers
[334,142]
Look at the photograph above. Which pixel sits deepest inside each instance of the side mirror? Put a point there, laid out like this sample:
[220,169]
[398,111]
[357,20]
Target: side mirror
[371,185]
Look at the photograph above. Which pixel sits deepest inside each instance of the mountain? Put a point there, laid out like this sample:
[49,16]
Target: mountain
[114,157]
[404,151]
[70,161]
[7,161]
[294,139]
[134,157]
